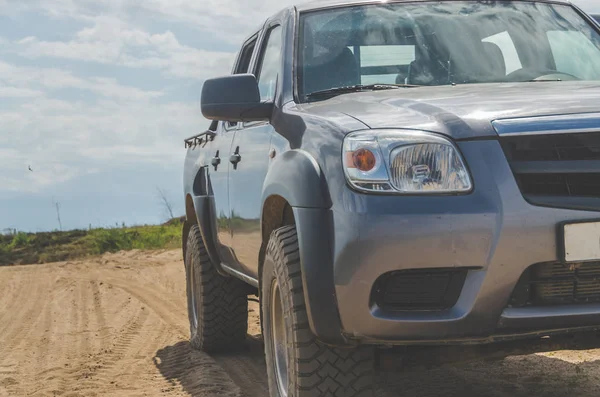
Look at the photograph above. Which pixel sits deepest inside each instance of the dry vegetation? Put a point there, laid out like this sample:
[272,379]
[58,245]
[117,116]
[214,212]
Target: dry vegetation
[29,248]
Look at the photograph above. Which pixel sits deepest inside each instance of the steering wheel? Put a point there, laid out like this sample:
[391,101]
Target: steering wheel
[528,74]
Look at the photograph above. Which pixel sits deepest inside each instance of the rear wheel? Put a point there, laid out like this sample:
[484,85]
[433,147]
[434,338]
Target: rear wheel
[298,364]
[217,305]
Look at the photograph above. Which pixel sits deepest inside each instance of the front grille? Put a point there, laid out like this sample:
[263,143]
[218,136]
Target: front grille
[550,284]
[557,170]
[565,185]
[419,290]
[554,147]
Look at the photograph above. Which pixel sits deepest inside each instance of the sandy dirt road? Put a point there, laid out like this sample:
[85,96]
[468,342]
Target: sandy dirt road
[117,326]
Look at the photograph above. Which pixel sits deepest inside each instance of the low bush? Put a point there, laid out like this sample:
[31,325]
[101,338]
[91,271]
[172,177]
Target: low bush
[23,248]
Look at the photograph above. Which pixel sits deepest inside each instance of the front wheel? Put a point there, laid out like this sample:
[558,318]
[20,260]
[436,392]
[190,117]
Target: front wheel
[298,364]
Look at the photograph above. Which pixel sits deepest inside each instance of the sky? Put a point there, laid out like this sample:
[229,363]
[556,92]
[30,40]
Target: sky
[96,96]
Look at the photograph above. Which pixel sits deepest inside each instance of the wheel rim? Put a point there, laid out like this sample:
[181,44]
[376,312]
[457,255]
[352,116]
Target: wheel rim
[192,297]
[279,340]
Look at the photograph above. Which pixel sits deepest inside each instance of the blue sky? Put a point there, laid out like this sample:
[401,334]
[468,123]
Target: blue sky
[96,96]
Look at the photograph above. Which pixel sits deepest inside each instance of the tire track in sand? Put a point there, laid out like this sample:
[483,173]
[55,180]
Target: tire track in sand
[19,327]
[16,297]
[103,329]
[247,368]
[91,373]
[9,290]
[92,329]
[84,333]
[179,362]
[107,366]
[168,312]
[42,357]
[71,358]
[12,294]
[59,355]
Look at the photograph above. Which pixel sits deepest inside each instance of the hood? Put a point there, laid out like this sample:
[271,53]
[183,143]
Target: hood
[461,111]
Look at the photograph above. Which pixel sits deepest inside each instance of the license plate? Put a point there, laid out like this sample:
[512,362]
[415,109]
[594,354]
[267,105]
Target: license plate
[582,241]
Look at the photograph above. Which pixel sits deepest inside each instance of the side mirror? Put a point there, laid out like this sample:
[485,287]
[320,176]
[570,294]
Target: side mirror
[234,98]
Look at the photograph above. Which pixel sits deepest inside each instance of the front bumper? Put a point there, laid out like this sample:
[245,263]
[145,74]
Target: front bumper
[493,231]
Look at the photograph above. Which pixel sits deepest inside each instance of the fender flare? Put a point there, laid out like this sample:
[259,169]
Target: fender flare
[204,208]
[296,177]
[308,188]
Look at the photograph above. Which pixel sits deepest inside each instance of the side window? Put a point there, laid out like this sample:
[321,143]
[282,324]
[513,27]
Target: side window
[505,43]
[243,65]
[568,48]
[270,64]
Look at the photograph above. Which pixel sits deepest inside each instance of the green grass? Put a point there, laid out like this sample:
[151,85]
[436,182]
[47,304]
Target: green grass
[31,248]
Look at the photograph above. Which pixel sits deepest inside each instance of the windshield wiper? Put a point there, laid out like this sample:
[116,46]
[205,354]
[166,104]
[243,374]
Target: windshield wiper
[542,80]
[358,88]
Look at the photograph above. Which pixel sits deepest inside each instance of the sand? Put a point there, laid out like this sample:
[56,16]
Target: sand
[117,326]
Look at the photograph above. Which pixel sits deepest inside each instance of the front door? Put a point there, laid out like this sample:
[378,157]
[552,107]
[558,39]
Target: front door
[245,191]
[219,167]
[250,162]
[218,173]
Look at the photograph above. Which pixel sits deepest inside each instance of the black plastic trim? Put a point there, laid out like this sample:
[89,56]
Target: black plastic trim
[413,290]
[295,176]
[556,167]
[314,226]
[234,98]
[207,222]
[239,275]
[575,203]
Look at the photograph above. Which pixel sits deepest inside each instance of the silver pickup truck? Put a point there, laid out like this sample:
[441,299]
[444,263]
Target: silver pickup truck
[397,173]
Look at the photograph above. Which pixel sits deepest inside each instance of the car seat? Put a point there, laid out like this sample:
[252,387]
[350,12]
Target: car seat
[494,60]
[327,71]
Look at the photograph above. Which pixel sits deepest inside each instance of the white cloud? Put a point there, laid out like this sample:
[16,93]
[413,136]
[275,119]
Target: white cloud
[237,17]
[16,176]
[588,5]
[112,42]
[27,82]
[114,126]
[63,139]
[15,92]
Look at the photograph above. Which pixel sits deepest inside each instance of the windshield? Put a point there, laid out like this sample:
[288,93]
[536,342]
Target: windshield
[445,43]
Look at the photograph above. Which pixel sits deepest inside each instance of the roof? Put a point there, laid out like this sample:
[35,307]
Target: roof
[321,4]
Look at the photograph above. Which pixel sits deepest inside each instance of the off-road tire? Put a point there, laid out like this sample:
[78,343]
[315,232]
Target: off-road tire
[314,369]
[221,302]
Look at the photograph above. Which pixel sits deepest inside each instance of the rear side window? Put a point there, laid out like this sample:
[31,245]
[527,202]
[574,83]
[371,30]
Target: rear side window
[244,64]
[270,64]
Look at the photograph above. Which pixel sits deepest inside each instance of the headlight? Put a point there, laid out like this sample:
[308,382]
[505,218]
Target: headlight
[404,161]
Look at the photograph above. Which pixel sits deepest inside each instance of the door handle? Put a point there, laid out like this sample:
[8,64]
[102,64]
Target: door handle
[216,161]
[235,158]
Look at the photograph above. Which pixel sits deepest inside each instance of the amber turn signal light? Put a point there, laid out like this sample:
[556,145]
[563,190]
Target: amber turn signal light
[362,159]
